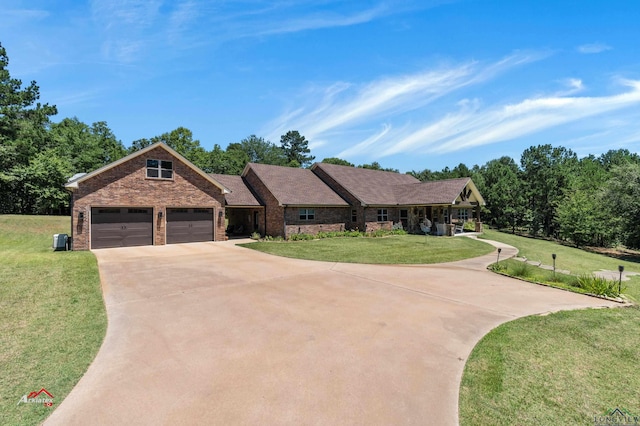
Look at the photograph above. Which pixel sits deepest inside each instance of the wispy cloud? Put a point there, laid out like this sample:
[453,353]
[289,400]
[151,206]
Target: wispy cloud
[390,116]
[591,48]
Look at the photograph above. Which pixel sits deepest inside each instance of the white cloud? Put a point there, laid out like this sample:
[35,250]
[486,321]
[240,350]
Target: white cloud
[399,110]
[342,105]
[593,48]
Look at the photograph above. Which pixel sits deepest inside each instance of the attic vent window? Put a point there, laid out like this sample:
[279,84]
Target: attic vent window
[159,169]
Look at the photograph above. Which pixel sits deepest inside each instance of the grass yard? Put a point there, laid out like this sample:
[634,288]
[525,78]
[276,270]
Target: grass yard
[569,258]
[396,249]
[52,316]
[563,368]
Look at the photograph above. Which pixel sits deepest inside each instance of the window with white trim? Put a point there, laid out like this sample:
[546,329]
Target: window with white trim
[383,215]
[307,214]
[159,169]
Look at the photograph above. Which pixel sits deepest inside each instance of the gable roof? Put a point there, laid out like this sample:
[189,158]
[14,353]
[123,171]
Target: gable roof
[241,195]
[294,186]
[381,188]
[370,187]
[73,184]
[459,191]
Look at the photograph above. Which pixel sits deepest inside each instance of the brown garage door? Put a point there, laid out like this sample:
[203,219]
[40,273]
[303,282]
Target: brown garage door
[121,227]
[189,225]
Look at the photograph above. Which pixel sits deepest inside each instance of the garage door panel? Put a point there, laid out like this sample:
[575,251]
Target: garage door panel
[189,225]
[121,227]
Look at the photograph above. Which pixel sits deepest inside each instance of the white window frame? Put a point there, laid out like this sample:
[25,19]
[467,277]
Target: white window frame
[383,215]
[307,214]
[160,169]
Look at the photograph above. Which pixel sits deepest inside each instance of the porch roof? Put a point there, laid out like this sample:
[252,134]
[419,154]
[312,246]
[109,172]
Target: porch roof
[241,195]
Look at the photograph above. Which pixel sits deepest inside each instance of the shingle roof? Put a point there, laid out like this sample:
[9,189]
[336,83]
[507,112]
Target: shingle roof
[294,186]
[432,192]
[240,194]
[371,187]
[380,188]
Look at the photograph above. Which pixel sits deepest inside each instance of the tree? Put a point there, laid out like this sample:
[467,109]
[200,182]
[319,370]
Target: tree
[546,173]
[259,150]
[376,166]
[621,199]
[85,148]
[337,161]
[296,149]
[230,162]
[180,139]
[502,190]
[24,124]
[579,216]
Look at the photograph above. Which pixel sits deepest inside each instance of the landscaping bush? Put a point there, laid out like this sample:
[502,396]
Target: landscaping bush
[521,270]
[469,226]
[597,285]
[255,236]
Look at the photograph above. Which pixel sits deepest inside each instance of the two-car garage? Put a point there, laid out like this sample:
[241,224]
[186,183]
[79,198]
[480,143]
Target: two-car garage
[129,227]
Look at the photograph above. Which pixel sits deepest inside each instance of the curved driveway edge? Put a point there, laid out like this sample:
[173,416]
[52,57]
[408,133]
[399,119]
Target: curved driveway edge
[212,333]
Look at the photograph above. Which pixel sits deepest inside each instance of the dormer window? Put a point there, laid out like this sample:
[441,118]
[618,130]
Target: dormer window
[159,169]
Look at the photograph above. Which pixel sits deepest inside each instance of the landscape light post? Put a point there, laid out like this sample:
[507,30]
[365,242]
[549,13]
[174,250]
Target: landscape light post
[499,250]
[554,265]
[621,270]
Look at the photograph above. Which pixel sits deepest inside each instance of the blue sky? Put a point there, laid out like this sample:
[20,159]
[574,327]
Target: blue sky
[410,84]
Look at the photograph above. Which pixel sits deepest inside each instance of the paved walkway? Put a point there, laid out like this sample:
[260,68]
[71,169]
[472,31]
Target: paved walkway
[212,333]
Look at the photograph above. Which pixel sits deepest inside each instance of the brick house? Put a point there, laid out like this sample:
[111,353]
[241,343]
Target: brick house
[378,199]
[295,200]
[154,196]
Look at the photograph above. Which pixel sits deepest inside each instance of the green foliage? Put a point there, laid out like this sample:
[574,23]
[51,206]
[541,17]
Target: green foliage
[258,150]
[337,161]
[296,149]
[521,270]
[376,166]
[598,285]
[621,198]
[255,236]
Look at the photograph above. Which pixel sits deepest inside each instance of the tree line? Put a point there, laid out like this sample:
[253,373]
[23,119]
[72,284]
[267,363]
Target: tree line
[550,192]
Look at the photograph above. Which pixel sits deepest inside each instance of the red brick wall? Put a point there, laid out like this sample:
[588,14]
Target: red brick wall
[371,218]
[326,219]
[126,185]
[353,201]
[274,213]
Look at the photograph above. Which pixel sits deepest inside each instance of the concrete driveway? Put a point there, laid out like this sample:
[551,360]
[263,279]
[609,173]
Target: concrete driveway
[212,333]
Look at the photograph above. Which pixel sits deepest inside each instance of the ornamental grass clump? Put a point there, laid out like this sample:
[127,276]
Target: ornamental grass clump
[598,285]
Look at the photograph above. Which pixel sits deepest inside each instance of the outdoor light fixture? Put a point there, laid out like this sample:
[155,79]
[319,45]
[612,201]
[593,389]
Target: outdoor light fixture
[621,270]
[554,264]
[499,251]
[81,216]
[160,214]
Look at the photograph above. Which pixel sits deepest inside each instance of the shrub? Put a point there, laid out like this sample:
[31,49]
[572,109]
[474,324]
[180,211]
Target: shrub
[397,226]
[301,237]
[255,236]
[522,270]
[469,226]
[598,285]
[498,267]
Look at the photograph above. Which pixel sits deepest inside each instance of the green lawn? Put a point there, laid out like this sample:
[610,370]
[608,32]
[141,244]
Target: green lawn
[397,249]
[569,258]
[564,368]
[52,316]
